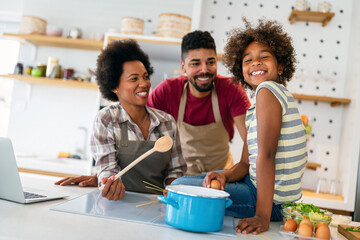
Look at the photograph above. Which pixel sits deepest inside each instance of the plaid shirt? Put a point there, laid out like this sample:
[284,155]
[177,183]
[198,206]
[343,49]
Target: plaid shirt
[106,138]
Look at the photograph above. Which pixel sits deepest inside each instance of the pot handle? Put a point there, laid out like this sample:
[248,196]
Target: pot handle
[168,201]
[228,203]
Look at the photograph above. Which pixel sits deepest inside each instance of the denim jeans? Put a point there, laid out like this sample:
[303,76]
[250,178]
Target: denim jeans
[242,193]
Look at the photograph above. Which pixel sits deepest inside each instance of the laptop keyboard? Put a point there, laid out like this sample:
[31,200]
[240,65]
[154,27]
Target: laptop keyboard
[29,195]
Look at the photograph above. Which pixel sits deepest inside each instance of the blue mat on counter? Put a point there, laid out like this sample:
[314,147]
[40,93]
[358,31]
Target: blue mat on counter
[93,204]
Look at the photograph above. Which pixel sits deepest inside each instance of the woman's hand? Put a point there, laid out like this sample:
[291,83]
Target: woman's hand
[113,190]
[81,181]
[254,224]
[214,175]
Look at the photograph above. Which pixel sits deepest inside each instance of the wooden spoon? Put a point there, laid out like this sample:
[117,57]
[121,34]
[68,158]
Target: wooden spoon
[163,144]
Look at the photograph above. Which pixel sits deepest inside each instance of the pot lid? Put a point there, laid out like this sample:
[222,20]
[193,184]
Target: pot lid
[196,191]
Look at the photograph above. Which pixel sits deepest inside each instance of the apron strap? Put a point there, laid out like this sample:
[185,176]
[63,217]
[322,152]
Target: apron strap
[215,105]
[182,104]
[124,135]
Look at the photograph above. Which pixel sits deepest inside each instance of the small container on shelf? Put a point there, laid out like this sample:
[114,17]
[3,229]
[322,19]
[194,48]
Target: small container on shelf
[42,67]
[132,25]
[68,73]
[59,72]
[173,25]
[32,25]
[52,67]
[36,72]
[324,6]
[75,33]
[303,5]
[28,70]
[52,30]
[19,68]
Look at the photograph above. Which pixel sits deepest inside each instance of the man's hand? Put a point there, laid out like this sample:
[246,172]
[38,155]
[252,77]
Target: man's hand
[81,181]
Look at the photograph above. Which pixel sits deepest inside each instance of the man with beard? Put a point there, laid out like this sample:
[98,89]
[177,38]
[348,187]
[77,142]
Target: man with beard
[204,104]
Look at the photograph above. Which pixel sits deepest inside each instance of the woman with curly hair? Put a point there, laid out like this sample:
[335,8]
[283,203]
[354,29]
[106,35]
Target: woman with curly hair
[274,155]
[128,128]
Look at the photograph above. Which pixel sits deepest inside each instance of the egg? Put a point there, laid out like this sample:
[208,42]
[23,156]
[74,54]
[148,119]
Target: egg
[319,224]
[323,232]
[290,225]
[215,184]
[306,221]
[305,230]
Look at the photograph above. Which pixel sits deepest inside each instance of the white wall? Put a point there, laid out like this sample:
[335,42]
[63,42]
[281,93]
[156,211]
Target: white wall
[349,160]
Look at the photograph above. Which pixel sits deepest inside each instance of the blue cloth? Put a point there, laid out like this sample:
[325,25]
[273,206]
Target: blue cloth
[242,193]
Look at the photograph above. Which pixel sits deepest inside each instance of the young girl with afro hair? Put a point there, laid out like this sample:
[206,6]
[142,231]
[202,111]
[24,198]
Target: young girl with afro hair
[274,155]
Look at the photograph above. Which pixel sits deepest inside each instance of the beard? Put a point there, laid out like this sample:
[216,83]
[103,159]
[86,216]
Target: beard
[203,88]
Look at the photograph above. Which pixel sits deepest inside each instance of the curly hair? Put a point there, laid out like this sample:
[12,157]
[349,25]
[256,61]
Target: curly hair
[195,40]
[110,65]
[269,33]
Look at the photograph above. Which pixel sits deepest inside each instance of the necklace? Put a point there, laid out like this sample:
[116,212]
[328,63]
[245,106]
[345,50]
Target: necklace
[146,116]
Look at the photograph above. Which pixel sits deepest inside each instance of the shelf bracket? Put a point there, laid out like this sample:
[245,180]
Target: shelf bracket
[335,104]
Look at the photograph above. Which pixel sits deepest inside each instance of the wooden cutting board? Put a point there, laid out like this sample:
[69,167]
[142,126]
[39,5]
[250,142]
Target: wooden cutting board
[348,234]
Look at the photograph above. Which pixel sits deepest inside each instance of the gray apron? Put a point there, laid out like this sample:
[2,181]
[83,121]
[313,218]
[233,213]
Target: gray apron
[152,169]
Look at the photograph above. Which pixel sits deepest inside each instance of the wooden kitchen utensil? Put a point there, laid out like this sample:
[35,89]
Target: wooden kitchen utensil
[348,234]
[163,144]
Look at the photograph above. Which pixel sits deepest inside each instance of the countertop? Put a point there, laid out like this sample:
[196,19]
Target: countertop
[59,165]
[36,221]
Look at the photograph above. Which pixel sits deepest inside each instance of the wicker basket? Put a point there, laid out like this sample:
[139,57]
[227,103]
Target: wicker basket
[173,25]
[132,25]
[32,25]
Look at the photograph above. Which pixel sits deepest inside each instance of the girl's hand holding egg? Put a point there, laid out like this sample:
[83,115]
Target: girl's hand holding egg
[215,184]
[214,180]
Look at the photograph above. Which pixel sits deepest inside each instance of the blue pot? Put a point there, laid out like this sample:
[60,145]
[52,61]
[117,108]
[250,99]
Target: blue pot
[194,208]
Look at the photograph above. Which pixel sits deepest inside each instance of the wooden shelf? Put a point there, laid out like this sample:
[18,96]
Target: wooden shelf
[333,101]
[327,196]
[310,16]
[52,81]
[142,38]
[50,41]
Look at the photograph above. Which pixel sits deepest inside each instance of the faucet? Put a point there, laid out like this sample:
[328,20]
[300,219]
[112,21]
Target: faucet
[82,151]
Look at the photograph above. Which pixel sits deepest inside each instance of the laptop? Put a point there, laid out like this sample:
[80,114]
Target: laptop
[10,184]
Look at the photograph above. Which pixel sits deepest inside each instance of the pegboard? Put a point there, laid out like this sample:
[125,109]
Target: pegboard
[322,54]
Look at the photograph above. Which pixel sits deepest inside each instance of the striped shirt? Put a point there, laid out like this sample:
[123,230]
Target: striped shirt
[291,156]
[106,137]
